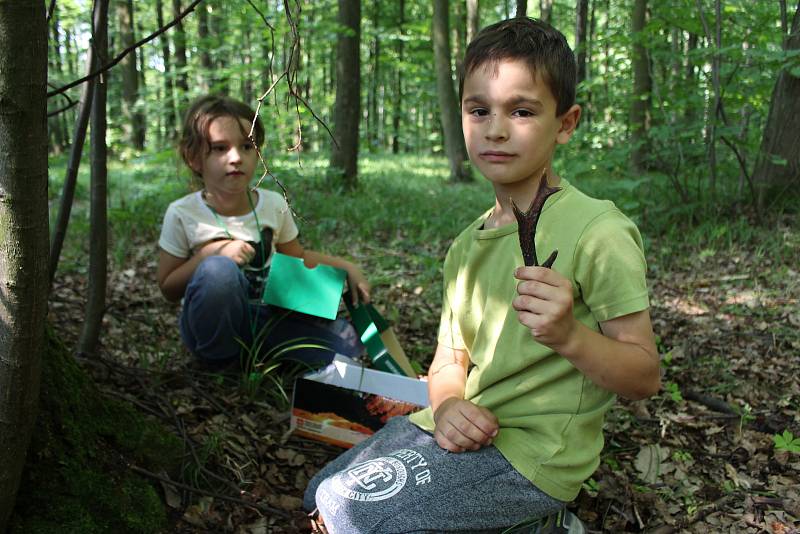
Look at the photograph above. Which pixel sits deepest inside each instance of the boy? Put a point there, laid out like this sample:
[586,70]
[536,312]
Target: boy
[529,358]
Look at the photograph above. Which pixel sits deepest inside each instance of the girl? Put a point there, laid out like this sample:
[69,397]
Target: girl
[216,245]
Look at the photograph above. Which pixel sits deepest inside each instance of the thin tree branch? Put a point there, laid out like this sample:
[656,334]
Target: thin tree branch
[260,14]
[51,9]
[72,104]
[125,52]
[742,165]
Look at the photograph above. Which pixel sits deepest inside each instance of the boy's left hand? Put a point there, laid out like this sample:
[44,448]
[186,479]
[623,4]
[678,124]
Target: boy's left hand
[544,305]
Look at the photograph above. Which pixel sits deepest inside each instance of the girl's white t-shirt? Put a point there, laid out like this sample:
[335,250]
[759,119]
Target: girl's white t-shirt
[189,222]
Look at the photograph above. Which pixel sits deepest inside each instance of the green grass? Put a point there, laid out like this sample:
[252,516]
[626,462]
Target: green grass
[404,212]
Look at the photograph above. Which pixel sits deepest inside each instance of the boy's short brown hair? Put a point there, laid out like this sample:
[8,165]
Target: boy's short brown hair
[194,137]
[533,41]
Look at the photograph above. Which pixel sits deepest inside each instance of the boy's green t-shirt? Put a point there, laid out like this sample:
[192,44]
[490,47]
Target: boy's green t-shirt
[550,414]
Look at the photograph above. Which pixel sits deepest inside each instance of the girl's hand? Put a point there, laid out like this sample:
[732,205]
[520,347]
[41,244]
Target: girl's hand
[239,251]
[463,426]
[544,305]
[358,284]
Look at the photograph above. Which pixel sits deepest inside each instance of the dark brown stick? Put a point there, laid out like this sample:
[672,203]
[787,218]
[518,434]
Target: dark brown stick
[528,220]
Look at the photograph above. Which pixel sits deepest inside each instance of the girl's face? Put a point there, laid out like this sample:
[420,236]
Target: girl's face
[228,165]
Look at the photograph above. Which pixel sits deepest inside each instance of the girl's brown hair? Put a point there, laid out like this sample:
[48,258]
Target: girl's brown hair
[194,137]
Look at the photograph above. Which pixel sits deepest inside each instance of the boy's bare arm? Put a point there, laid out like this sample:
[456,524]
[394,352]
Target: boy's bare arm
[460,424]
[358,283]
[622,359]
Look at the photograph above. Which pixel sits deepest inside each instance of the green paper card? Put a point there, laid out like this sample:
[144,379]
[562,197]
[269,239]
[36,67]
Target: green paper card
[294,286]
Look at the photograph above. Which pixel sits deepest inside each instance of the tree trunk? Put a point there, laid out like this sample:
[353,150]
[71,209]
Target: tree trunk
[449,113]
[640,107]
[713,112]
[459,37]
[98,216]
[57,124]
[778,163]
[205,46]
[70,180]
[373,122]
[23,233]
[180,52]
[133,119]
[170,115]
[546,10]
[398,88]
[347,109]
[581,24]
[473,19]
[522,8]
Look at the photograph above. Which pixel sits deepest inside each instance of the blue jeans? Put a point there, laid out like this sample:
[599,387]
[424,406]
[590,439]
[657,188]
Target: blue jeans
[218,323]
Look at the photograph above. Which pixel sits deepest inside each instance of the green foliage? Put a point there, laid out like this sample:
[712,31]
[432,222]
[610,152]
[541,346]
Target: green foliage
[267,370]
[77,478]
[674,392]
[787,442]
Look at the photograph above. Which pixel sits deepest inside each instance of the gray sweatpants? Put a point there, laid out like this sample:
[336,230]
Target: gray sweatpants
[400,480]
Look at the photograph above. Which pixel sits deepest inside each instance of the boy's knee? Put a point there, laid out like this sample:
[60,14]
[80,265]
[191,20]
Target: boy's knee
[328,504]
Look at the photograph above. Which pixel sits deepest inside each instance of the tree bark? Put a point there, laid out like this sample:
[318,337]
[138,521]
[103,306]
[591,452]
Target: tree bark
[713,112]
[57,124]
[180,52]
[23,233]
[347,108]
[546,10]
[449,113]
[170,119]
[473,19]
[373,122]
[581,24]
[640,107]
[205,46]
[398,87]
[522,8]
[71,178]
[98,197]
[133,126]
[778,162]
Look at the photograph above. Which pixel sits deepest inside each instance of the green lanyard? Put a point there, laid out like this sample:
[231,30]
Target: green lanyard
[258,225]
[263,252]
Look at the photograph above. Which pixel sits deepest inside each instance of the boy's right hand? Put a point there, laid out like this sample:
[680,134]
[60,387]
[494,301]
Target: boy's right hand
[239,251]
[463,426]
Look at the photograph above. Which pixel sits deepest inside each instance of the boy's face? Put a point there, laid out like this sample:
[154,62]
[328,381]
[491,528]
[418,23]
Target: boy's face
[230,160]
[510,123]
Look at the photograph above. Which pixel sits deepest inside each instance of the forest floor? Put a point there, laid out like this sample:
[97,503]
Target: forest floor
[718,450]
[699,457]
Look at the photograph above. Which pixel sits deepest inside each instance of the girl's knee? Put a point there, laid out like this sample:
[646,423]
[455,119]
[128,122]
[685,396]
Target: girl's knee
[217,268]
[216,283]
[219,274]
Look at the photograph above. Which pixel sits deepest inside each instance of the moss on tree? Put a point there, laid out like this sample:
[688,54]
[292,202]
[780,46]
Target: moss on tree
[77,477]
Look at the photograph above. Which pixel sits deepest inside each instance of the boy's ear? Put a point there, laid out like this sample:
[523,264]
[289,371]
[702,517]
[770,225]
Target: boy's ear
[569,121]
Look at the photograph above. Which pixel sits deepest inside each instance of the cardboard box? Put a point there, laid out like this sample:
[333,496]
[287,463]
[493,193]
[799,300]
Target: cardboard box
[345,403]
[294,286]
[378,337]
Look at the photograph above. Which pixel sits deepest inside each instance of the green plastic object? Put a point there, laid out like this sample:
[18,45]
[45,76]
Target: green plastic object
[377,336]
[294,286]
